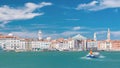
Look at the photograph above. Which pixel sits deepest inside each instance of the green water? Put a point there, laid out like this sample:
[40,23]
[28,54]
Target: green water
[58,60]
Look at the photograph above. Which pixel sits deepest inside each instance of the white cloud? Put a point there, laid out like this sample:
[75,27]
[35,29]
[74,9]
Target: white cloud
[100,35]
[77,28]
[8,13]
[25,34]
[101,32]
[65,34]
[99,5]
[116,33]
[69,33]
[29,34]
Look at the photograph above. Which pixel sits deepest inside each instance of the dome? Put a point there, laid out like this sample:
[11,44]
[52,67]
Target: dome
[48,38]
[39,31]
[10,34]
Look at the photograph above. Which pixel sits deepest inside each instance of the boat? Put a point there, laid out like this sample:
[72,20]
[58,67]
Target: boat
[92,54]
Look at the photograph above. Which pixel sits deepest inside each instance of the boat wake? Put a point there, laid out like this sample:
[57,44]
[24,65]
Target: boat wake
[87,58]
[99,58]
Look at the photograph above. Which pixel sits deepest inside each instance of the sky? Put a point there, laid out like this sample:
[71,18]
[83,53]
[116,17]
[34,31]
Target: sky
[60,18]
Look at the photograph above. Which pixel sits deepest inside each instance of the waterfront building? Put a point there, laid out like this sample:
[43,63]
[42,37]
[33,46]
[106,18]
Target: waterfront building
[92,44]
[106,44]
[38,45]
[28,45]
[10,42]
[71,44]
[79,42]
[115,45]
[76,43]
[53,45]
[61,44]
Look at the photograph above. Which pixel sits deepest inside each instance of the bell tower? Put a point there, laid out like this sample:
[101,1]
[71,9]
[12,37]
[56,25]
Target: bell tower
[40,35]
[95,38]
[108,35]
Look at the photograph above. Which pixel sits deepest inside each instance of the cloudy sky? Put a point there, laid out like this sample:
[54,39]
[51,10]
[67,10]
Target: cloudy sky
[60,18]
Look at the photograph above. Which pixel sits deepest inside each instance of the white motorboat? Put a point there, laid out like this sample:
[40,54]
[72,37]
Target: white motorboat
[93,54]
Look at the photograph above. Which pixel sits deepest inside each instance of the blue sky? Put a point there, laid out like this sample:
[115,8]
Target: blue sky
[60,18]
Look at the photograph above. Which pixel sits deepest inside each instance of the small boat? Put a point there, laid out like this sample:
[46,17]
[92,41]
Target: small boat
[92,54]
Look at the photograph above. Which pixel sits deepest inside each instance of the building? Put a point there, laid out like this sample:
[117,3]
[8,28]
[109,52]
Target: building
[76,43]
[79,42]
[115,45]
[60,44]
[91,44]
[105,45]
[10,42]
[40,45]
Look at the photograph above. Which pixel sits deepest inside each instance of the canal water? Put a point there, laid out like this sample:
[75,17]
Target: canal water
[58,60]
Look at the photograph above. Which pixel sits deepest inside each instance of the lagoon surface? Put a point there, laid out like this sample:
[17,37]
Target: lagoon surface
[58,60]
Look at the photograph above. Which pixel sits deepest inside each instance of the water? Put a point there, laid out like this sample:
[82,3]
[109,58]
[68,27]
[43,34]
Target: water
[58,60]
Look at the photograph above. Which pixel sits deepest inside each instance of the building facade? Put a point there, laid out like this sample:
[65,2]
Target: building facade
[12,43]
[91,44]
[79,42]
[38,45]
[104,45]
[115,45]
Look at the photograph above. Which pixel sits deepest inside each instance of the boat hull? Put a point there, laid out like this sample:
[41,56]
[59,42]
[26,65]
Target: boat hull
[92,56]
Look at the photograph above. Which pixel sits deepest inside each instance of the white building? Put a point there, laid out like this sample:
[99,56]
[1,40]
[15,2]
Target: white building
[62,44]
[76,43]
[104,45]
[91,44]
[38,45]
[79,42]
[12,43]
